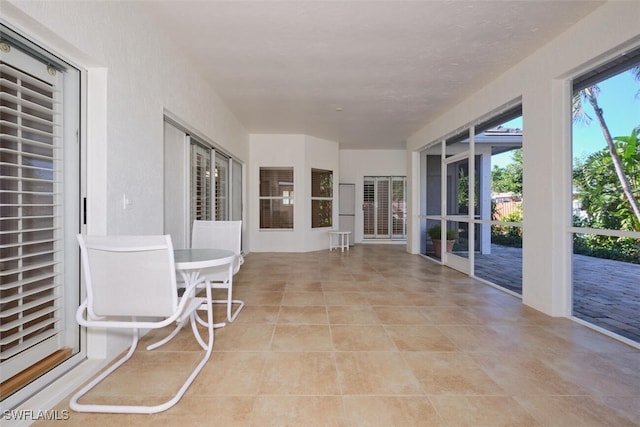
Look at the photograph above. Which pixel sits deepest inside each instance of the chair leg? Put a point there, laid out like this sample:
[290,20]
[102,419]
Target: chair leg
[131,409]
[204,323]
[79,407]
[168,337]
[231,315]
[195,320]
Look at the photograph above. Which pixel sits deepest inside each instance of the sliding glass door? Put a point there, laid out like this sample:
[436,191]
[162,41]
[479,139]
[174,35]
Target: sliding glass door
[42,183]
[465,223]
[384,207]
[201,182]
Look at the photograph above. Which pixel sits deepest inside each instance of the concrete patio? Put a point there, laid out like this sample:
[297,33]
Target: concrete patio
[606,293]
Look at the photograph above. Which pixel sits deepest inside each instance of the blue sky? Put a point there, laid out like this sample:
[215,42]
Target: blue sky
[620,103]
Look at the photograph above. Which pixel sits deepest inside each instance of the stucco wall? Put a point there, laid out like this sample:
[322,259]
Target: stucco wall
[302,152]
[356,164]
[133,76]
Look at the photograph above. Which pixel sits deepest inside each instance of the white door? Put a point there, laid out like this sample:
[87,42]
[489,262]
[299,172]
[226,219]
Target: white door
[384,207]
[41,192]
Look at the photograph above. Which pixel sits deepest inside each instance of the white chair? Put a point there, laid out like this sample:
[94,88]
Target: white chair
[220,235]
[131,284]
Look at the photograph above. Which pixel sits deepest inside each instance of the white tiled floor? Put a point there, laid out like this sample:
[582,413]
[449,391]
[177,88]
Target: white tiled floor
[379,337]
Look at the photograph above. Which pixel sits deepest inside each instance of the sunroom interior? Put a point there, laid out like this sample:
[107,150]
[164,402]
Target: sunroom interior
[148,119]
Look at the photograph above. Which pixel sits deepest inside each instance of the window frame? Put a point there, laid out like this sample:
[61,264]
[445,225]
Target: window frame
[274,204]
[316,196]
[593,76]
[223,200]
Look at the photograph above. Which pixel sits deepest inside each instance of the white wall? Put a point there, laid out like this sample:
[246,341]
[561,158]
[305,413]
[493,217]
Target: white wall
[302,152]
[145,75]
[134,75]
[356,164]
[541,81]
[320,154]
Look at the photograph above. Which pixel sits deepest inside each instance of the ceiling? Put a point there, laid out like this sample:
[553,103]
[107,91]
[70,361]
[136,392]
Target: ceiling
[364,74]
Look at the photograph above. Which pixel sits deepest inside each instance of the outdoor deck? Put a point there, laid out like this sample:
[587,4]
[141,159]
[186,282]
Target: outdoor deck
[606,293]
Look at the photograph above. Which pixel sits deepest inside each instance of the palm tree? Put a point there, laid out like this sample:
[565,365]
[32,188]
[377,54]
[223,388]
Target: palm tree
[590,94]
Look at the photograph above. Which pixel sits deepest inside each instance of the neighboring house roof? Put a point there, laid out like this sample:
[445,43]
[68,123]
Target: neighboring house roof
[500,138]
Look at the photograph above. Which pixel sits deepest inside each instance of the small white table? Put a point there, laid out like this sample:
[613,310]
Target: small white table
[189,262]
[341,238]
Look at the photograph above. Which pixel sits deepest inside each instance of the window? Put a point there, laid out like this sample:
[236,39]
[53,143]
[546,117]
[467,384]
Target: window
[321,198]
[276,198]
[605,200]
[200,182]
[384,207]
[201,177]
[210,194]
[40,216]
[236,191]
[221,186]
[498,235]
[472,198]
[206,188]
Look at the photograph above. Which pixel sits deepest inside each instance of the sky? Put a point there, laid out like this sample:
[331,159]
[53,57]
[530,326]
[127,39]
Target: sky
[619,99]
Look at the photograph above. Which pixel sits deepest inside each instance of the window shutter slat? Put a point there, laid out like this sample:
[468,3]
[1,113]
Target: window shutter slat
[200,183]
[28,118]
[24,320]
[32,209]
[31,342]
[20,283]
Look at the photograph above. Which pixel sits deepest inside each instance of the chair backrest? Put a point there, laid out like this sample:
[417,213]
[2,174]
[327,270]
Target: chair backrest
[217,234]
[129,275]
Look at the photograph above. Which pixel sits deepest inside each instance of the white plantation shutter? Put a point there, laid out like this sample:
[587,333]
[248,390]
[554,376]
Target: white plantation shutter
[221,186]
[382,206]
[31,242]
[236,191]
[398,206]
[200,183]
[368,208]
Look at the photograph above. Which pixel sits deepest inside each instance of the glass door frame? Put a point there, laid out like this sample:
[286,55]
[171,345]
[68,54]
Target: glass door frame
[376,209]
[450,259]
[391,207]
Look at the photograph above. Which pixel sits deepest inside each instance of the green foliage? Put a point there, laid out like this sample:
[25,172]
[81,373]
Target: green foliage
[599,190]
[603,201]
[509,178]
[435,233]
[515,216]
[608,247]
[506,235]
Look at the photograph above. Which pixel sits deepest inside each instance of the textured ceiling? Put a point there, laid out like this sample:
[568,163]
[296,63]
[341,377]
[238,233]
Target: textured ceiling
[364,74]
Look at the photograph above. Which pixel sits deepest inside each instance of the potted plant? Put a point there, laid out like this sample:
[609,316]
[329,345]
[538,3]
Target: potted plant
[435,233]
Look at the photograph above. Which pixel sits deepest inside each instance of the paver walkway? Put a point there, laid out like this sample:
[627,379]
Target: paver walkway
[606,293]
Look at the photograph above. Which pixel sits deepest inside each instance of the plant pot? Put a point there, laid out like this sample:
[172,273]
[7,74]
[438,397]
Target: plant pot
[437,246]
